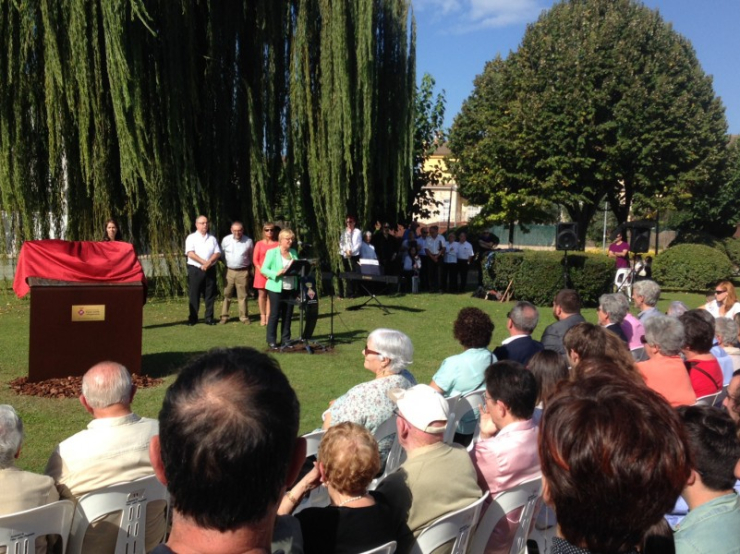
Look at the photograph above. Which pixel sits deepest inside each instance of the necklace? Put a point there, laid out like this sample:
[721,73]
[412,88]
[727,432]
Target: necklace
[343,502]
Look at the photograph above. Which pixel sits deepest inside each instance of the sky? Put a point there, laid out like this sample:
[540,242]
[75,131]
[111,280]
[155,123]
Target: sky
[455,38]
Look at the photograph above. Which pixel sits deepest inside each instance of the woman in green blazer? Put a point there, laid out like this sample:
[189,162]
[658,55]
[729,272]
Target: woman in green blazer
[280,289]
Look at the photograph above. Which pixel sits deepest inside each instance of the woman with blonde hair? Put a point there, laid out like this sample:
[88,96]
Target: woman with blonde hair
[281,289]
[356,520]
[725,302]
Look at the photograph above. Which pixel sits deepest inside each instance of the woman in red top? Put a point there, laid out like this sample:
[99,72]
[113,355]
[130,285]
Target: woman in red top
[704,371]
[269,241]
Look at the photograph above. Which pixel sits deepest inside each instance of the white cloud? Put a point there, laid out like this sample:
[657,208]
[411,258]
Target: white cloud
[462,16]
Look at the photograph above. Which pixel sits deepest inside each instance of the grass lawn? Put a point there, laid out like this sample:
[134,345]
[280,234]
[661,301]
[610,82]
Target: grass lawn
[168,343]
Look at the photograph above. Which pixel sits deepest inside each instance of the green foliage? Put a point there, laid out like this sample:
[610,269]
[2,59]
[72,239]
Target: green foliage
[691,267]
[537,276]
[732,249]
[602,98]
[154,112]
[429,134]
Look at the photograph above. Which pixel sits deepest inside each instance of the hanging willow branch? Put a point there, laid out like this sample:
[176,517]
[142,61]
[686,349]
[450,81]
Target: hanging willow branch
[154,112]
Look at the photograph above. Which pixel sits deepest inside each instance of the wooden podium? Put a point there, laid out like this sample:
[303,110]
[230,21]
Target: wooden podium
[75,325]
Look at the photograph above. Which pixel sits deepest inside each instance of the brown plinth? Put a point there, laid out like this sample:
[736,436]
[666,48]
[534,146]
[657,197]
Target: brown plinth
[61,347]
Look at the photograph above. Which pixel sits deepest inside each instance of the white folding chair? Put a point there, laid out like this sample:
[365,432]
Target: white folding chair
[467,402]
[709,399]
[457,526]
[18,531]
[524,496]
[318,497]
[388,548]
[131,499]
[623,281]
[396,455]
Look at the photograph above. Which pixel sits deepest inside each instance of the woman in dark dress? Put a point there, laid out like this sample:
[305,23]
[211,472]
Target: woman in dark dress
[356,520]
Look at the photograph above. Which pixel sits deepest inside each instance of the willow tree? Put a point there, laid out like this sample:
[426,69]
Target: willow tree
[153,112]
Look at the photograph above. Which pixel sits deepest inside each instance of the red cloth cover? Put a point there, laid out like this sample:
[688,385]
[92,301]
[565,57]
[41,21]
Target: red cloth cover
[81,261]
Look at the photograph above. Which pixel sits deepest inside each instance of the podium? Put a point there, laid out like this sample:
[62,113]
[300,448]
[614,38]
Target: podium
[86,306]
[76,325]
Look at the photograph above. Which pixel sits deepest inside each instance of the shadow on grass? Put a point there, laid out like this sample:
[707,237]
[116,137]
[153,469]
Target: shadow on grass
[164,364]
[163,325]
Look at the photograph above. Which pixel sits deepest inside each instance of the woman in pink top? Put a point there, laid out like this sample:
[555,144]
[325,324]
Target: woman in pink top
[665,371]
[704,371]
[269,241]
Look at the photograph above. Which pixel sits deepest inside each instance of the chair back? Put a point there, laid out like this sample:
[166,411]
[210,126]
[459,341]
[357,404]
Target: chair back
[709,399]
[18,531]
[623,281]
[388,548]
[131,499]
[525,497]
[457,526]
[313,440]
[467,402]
[396,455]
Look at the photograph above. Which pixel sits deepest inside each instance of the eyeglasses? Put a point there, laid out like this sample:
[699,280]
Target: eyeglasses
[643,339]
[366,351]
[397,413]
[484,406]
[720,291]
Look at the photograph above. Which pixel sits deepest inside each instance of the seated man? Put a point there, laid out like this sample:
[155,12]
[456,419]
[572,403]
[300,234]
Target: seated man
[645,295]
[506,453]
[614,459]
[567,310]
[611,313]
[226,449]
[20,490]
[436,478]
[521,323]
[114,448]
[713,521]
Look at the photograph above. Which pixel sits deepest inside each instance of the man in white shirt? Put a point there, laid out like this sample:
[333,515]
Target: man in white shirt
[237,251]
[464,259]
[114,448]
[203,252]
[434,246]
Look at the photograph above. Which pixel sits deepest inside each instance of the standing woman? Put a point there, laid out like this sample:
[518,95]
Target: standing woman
[268,242]
[280,289]
[112,231]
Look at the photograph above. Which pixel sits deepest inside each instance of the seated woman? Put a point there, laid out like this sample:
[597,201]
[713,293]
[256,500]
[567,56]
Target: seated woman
[704,370]
[549,369]
[387,353]
[465,372]
[664,371]
[356,520]
[725,302]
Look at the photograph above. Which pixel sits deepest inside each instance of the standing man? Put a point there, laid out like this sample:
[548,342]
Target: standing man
[202,251]
[386,248]
[567,310]
[237,248]
[350,245]
[464,259]
[434,246]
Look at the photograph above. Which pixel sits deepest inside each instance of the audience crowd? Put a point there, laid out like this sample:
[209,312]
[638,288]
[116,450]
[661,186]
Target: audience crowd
[630,423]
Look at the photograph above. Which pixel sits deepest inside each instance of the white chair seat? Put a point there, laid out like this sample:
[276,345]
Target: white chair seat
[18,531]
[388,548]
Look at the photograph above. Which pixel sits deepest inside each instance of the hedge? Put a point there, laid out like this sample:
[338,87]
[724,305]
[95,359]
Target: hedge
[537,276]
[732,249]
[691,267]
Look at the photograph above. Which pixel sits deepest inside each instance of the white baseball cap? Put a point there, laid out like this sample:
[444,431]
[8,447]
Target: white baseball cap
[421,405]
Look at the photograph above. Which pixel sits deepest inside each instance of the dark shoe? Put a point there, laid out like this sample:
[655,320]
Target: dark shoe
[211,322]
[191,323]
[273,346]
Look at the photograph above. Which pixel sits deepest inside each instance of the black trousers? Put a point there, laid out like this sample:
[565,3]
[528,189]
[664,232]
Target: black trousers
[201,283]
[280,309]
[463,267]
[449,277]
[350,265]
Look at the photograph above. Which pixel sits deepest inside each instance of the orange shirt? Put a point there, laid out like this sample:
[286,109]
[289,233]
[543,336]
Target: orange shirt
[668,377]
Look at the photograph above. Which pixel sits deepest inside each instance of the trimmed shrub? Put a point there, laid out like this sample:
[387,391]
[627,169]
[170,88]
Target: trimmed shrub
[538,276]
[691,267]
[732,249]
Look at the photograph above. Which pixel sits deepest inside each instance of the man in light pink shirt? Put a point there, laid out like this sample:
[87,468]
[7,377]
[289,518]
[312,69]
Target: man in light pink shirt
[506,454]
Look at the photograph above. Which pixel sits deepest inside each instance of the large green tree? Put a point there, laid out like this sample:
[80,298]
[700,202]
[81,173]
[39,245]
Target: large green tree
[602,99]
[155,111]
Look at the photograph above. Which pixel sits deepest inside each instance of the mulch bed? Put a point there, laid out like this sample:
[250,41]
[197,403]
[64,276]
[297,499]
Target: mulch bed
[68,387]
